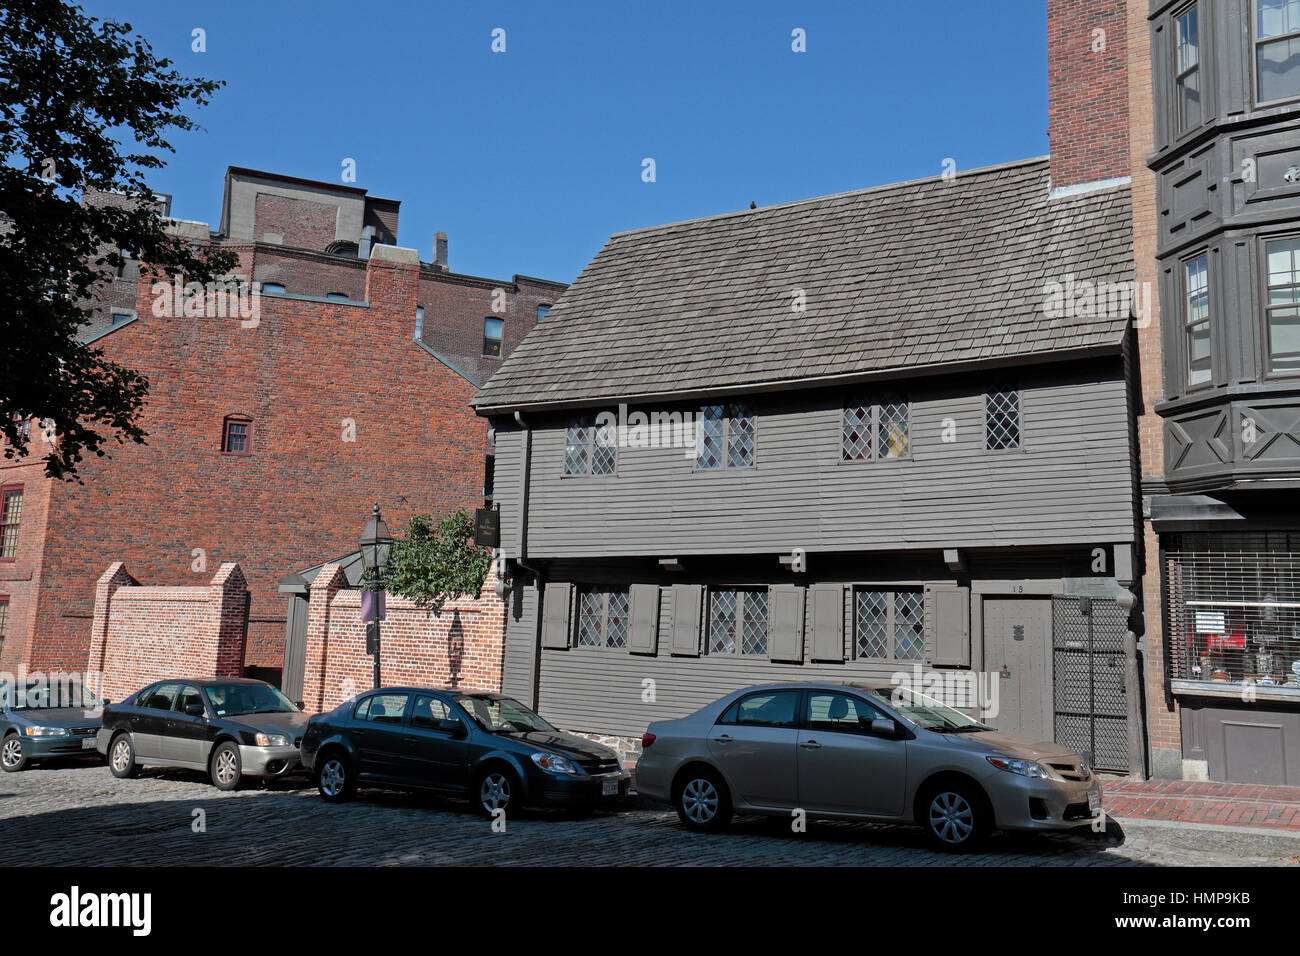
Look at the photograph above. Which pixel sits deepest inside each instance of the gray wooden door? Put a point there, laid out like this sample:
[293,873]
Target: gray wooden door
[1018,645]
[295,648]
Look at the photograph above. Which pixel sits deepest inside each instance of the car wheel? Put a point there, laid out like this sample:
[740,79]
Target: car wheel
[956,817]
[224,767]
[334,778]
[12,756]
[495,788]
[702,801]
[121,757]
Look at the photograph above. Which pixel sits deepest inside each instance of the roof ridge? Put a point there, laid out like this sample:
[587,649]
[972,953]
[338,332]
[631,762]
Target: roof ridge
[965,174]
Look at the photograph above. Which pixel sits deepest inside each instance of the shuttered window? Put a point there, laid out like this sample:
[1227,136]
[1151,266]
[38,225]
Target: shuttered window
[738,621]
[888,625]
[602,618]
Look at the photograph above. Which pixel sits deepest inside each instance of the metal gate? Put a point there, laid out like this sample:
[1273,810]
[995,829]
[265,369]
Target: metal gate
[1090,696]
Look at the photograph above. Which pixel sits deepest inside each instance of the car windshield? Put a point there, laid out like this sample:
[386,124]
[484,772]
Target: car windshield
[231,699]
[501,715]
[46,696]
[928,712]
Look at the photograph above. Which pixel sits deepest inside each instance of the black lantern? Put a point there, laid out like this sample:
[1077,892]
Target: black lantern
[376,544]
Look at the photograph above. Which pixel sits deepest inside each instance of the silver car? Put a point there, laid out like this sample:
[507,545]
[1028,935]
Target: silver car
[861,751]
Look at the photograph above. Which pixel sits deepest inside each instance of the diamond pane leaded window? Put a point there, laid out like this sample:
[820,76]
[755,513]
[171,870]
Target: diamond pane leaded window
[872,624]
[894,440]
[602,618]
[589,448]
[738,621]
[712,424]
[740,436]
[909,625]
[889,625]
[857,444]
[1002,420]
[11,512]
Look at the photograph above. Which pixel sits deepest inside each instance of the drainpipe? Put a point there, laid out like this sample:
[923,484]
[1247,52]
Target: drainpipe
[526,462]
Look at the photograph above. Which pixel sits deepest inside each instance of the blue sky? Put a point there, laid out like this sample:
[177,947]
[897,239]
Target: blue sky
[529,159]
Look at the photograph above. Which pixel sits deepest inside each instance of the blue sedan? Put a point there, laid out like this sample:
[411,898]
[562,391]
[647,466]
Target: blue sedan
[44,721]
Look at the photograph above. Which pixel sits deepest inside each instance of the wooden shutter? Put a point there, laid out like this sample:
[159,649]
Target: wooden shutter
[947,625]
[555,615]
[687,602]
[827,622]
[644,614]
[785,623]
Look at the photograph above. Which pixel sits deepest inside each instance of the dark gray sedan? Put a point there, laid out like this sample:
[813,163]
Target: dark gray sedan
[46,721]
[484,746]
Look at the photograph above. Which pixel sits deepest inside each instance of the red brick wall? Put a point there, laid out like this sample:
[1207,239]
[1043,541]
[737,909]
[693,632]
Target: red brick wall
[300,498]
[1088,91]
[144,634]
[20,577]
[298,222]
[460,646]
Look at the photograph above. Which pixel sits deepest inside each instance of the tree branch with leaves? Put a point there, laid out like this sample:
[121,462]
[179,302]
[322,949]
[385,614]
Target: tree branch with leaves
[431,566]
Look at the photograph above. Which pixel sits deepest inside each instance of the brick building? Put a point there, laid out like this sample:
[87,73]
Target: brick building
[268,438]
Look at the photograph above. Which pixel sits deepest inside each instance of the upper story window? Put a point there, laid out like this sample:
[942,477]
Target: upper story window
[1282,308]
[602,618]
[1196,319]
[541,312]
[11,513]
[1187,81]
[493,330]
[725,437]
[1277,49]
[4,618]
[876,431]
[337,296]
[237,436]
[738,621]
[1001,420]
[590,449]
[120,318]
[272,288]
[888,625]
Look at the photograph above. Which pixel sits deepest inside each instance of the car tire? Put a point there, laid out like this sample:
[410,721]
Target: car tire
[225,767]
[702,801]
[335,779]
[13,757]
[955,816]
[121,757]
[495,788]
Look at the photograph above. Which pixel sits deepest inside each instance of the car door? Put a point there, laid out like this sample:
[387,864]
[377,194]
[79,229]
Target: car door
[754,743]
[843,767]
[149,723]
[380,733]
[439,747]
[186,737]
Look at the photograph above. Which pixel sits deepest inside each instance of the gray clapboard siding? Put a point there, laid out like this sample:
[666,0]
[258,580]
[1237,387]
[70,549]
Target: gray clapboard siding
[1070,482]
[520,652]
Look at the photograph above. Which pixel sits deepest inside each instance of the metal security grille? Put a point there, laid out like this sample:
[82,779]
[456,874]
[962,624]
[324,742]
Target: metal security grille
[1234,616]
[1090,696]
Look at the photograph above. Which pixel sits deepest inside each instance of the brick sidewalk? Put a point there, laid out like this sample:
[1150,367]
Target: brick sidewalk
[1188,801]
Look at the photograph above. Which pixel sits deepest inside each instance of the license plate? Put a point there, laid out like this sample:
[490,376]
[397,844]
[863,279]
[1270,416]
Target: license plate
[609,788]
[1094,801]
[88,743]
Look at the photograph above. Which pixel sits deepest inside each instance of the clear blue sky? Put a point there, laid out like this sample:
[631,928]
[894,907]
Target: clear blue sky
[531,158]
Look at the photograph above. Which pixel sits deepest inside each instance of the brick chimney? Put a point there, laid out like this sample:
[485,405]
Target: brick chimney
[440,250]
[1087,91]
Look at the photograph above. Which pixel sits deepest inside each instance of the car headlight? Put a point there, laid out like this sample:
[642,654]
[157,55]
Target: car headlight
[1026,768]
[46,731]
[272,740]
[554,763]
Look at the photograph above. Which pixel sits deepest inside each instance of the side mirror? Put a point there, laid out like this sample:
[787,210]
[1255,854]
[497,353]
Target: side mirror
[453,727]
[881,727]
[105,702]
[195,710]
[299,705]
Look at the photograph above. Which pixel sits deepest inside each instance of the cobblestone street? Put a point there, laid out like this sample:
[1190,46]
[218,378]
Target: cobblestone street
[81,814]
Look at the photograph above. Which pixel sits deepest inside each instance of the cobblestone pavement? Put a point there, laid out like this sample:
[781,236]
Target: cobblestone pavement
[81,814]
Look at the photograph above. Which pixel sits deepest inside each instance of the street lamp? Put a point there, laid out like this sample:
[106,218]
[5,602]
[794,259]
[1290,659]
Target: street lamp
[376,546]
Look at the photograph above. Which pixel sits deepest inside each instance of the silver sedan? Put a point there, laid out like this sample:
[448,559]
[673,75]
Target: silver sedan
[864,751]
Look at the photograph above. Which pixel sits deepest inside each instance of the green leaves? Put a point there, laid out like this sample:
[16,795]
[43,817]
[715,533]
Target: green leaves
[434,565]
[85,107]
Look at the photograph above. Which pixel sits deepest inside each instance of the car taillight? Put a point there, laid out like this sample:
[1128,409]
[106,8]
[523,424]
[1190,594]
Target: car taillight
[647,740]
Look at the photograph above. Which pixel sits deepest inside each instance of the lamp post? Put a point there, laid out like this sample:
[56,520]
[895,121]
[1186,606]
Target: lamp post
[376,546]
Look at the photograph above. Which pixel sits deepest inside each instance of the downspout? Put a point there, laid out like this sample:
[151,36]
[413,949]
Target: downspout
[526,462]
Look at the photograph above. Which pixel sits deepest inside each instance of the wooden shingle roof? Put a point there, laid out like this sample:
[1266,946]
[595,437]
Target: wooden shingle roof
[901,277]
